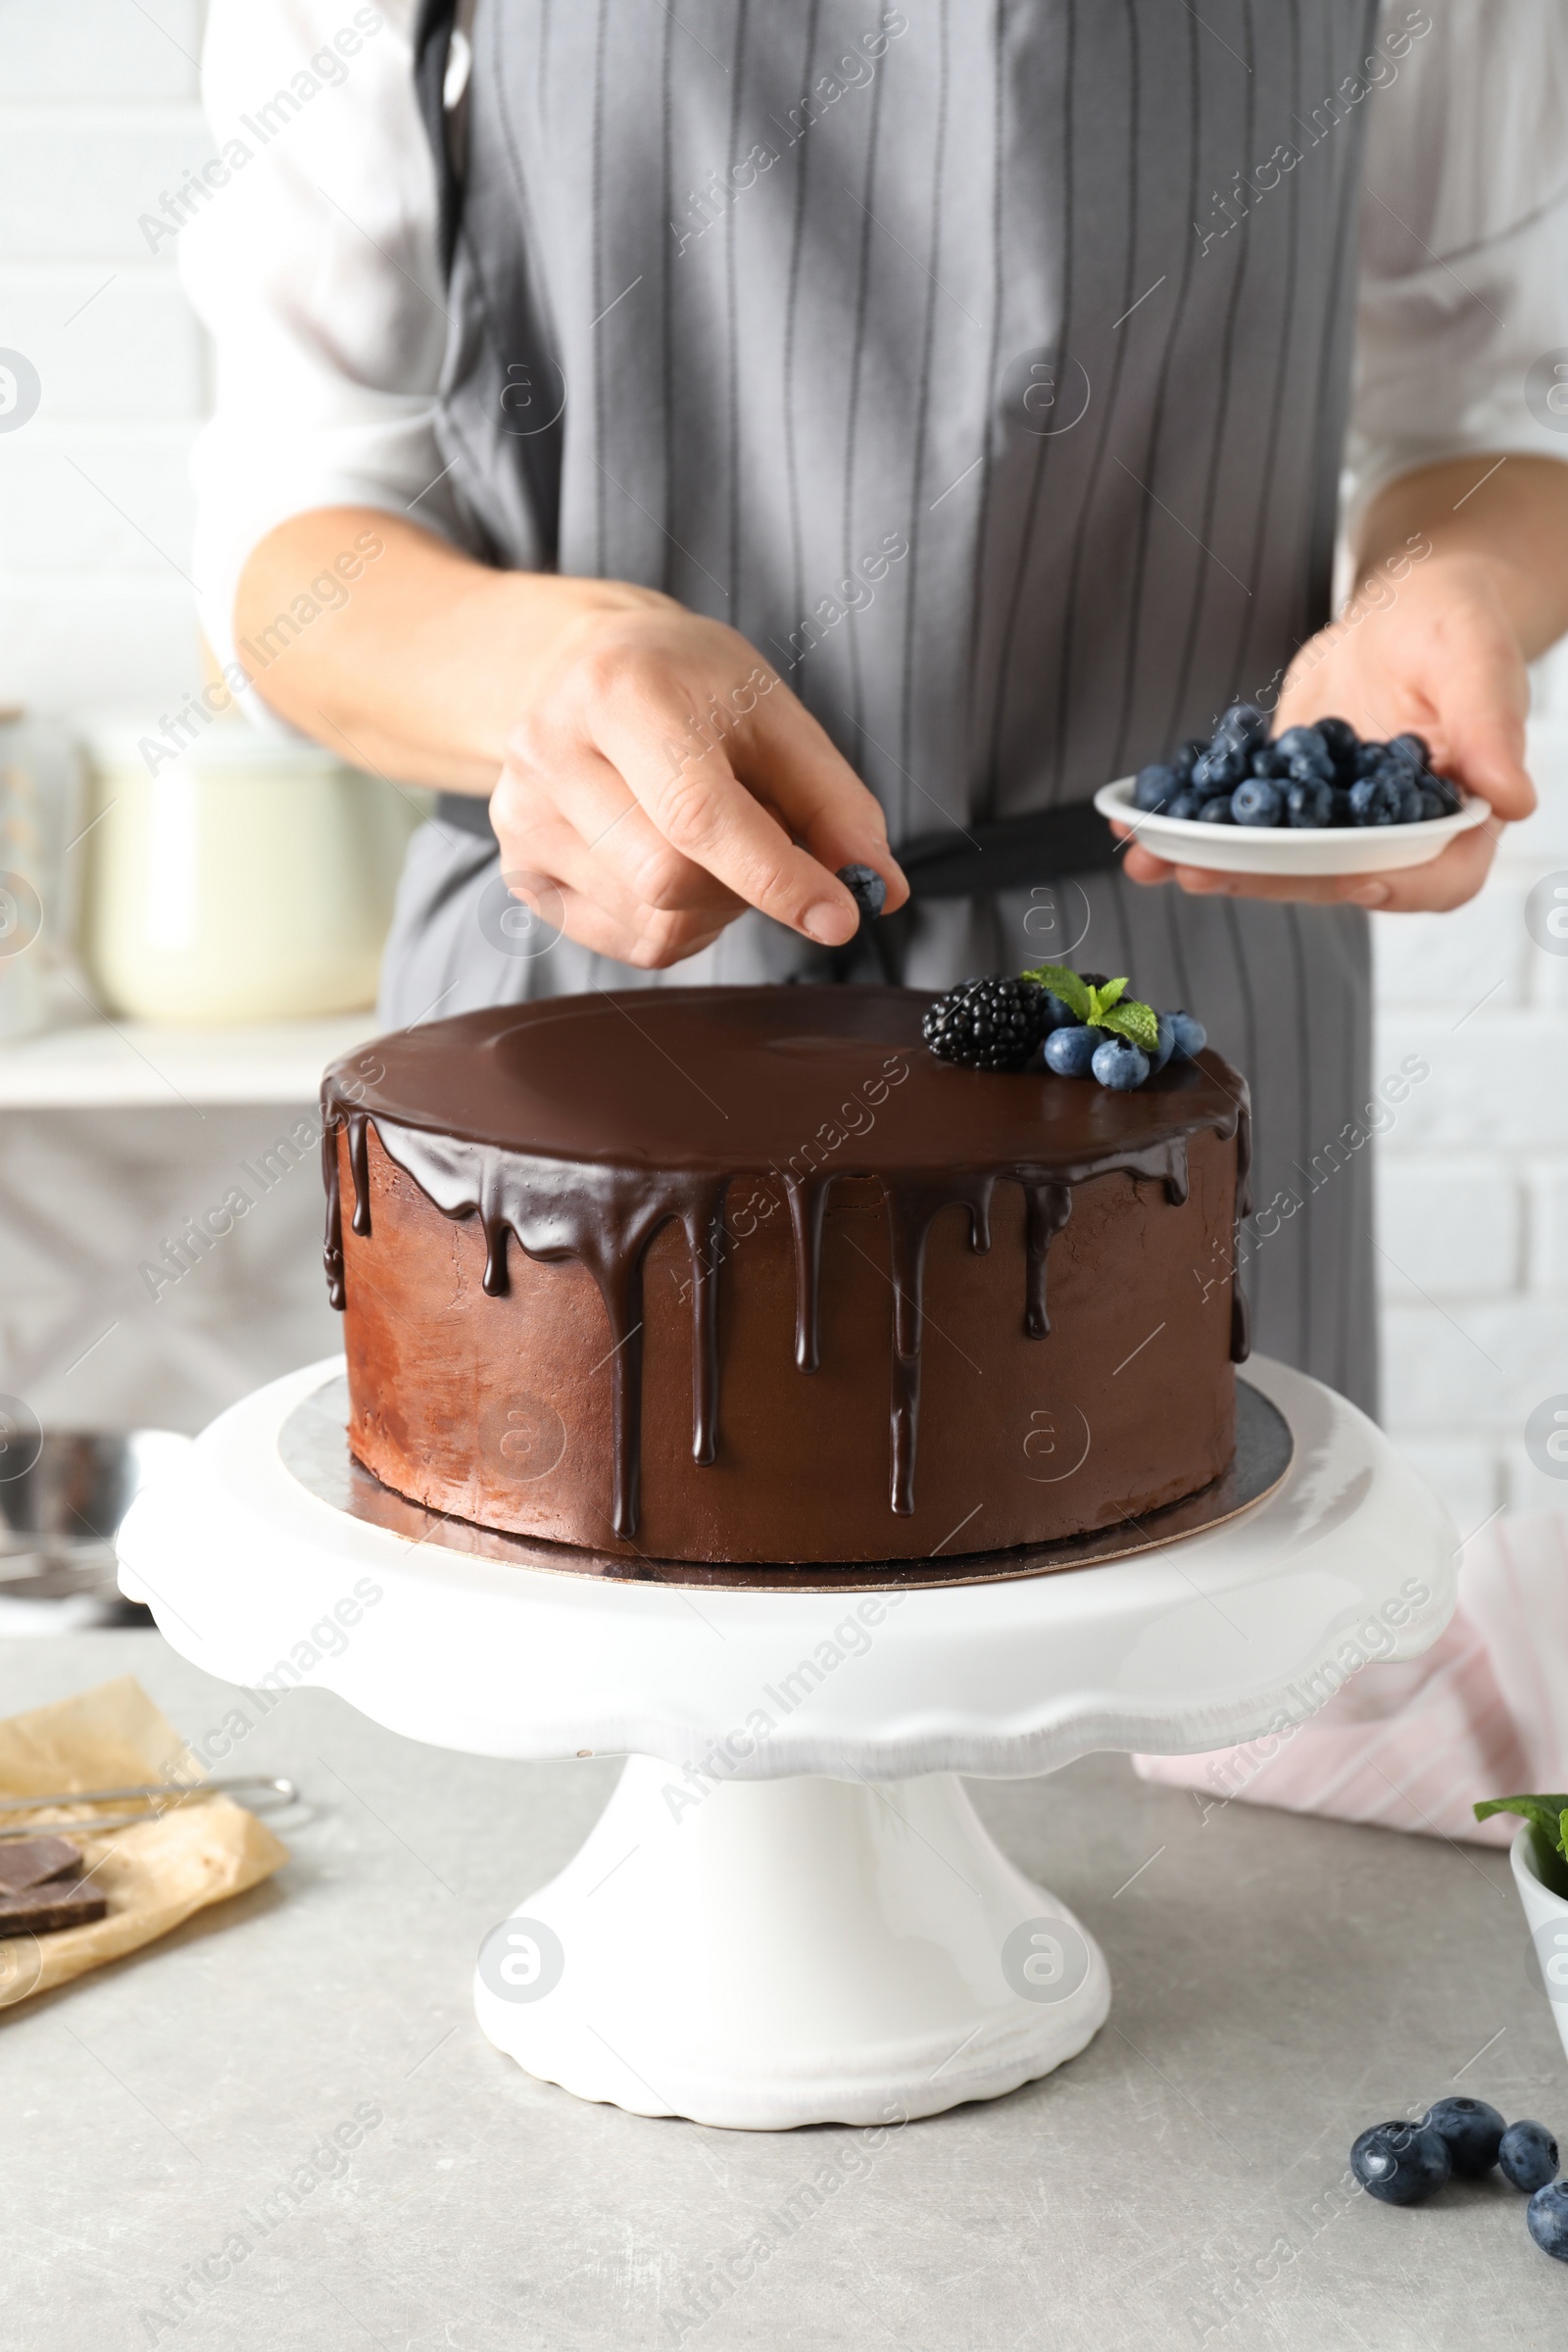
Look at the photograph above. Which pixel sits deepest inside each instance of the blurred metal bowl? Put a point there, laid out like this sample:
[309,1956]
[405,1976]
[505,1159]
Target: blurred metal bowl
[59,1518]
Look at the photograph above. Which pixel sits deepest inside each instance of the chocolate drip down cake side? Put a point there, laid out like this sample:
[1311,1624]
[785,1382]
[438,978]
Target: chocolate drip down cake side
[752,1275]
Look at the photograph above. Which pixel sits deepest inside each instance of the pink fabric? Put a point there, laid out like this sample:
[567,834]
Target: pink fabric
[1483,1713]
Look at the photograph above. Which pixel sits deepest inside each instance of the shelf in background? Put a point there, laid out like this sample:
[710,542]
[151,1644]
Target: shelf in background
[100,1064]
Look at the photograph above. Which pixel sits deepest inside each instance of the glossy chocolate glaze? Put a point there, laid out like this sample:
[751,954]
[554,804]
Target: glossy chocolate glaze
[581,1126]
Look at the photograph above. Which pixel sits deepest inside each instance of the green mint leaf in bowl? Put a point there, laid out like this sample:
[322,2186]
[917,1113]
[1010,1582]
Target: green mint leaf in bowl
[1547,1816]
[1545,1812]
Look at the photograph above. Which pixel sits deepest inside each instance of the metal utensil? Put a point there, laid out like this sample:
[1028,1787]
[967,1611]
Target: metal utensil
[61,1511]
[281,1790]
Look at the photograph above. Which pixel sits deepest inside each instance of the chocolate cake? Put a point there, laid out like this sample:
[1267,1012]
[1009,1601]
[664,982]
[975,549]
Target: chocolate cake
[748,1275]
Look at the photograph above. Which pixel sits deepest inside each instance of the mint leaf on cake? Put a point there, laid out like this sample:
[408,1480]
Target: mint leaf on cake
[1138,1023]
[1074,993]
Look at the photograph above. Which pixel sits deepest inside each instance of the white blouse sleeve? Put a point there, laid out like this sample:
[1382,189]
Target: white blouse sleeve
[312,264]
[1464,241]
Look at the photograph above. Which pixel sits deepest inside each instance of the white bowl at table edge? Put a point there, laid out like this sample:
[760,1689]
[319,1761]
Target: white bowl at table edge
[1542,1907]
[1285,849]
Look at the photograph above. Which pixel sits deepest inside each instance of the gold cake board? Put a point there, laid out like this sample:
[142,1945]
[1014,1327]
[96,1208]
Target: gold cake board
[314,1446]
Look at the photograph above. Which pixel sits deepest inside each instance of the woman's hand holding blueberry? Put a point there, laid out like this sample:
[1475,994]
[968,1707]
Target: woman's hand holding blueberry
[662,779]
[643,763]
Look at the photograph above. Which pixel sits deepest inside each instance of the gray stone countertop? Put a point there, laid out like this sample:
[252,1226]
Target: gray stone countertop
[1279,1985]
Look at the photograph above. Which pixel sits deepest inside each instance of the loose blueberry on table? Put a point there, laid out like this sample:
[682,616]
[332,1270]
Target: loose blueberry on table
[1308,778]
[1400,2163]
[1527,2155]
[1546,2220]
[1473,2130]
[1082,1024]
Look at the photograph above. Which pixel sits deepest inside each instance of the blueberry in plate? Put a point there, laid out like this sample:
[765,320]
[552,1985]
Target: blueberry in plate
[1314,766]
[1182,760]
[1242,724]
[1400,2163]
[1221,767]
[1445,791]
[1309,805]
[1526,2154]
[1189,1036]
[1414,747]
[1376,800]
[1369,755]
[1342,812]
[1269,761]
[1216,812]
[1258,801]
[1473,2130]
[1406,779]
[1157,784]
[1188,803]
[1546,2220]
[1412,801]
[1343,742]
[1119,1064]
[1071,1052]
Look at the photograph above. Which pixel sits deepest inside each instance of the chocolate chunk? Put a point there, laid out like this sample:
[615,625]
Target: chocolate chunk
[61,1904]
[30,1861]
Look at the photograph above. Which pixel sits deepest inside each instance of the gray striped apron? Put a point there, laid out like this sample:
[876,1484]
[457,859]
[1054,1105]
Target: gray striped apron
[985,363]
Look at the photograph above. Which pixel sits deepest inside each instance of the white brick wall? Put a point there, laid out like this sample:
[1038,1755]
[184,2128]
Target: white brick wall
[1473,1182]
[142,54]
[98,113]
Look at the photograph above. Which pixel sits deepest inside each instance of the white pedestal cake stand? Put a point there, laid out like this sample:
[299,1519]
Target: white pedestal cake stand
[789,1912]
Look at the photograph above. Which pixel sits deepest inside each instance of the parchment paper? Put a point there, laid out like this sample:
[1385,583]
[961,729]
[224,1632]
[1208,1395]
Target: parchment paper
[153,1875]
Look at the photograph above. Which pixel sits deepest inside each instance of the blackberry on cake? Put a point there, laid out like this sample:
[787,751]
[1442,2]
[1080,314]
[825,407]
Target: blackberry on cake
[989,1024]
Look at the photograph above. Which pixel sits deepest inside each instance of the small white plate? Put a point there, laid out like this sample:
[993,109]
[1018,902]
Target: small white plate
[1282,848]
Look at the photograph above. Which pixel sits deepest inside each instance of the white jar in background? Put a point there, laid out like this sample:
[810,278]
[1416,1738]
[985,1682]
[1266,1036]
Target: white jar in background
[39,820]
[250,879]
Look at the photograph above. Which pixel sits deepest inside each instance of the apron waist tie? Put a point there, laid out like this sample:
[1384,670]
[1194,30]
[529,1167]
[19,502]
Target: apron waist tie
[1005,853]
